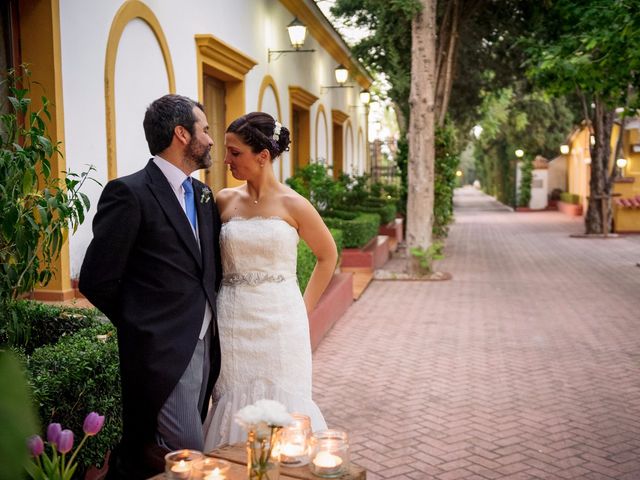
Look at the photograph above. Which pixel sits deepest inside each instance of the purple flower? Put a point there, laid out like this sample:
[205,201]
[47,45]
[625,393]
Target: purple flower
[65,441]
[93,423]
[36,445]
[53,432]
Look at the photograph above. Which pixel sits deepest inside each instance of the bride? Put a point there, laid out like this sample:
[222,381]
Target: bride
[262,317]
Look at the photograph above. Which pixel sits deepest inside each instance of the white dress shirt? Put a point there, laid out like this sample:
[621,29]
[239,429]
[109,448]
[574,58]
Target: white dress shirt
[175,177]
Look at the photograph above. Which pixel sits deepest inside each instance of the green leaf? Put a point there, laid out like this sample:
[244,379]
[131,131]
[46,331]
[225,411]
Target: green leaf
[27,182]
[85,199]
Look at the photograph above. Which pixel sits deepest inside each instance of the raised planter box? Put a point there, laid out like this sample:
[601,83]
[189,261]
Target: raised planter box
[570,208]
[373,255]
[335,301]
[393,230]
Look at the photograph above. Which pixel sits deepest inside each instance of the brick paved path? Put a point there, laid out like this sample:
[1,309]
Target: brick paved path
[525,366]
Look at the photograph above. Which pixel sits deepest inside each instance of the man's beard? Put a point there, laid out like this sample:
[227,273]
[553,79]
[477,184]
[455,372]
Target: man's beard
[200,155]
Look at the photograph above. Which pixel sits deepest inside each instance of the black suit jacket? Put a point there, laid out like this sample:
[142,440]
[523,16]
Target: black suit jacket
[145,272]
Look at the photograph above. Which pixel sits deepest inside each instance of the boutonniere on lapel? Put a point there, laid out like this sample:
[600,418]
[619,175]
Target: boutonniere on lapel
[206,195]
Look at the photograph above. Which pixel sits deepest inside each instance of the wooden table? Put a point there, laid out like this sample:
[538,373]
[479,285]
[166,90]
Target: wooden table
[237,456]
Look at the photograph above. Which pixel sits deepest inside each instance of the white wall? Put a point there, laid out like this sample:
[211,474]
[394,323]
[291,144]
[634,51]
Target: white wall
[250,26]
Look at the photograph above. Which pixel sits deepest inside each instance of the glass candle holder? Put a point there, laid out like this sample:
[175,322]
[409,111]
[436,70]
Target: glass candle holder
[294,441]
[178,465]
[210,469]
[329,453]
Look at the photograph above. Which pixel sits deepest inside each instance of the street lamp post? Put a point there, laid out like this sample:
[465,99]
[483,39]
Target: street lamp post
[519,154]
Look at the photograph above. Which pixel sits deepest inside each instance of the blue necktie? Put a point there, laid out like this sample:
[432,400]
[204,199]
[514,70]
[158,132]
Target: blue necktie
[190,206]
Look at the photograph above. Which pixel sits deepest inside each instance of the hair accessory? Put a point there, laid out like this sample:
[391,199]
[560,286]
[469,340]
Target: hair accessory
[276,131]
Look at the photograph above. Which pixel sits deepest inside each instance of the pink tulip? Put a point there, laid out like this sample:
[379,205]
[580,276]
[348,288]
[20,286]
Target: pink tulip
[53,432]
[93,423]
[65,441]
[36,445]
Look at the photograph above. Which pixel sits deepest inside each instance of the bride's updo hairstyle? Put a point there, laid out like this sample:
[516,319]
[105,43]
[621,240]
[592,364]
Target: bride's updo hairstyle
[259,130]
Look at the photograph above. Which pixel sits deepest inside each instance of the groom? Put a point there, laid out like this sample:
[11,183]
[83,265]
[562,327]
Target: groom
[153,268]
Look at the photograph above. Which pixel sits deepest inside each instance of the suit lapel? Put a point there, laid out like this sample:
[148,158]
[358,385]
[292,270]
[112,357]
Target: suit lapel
[163,193]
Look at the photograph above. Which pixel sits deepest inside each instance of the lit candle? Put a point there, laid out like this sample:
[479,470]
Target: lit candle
[181,470]
[327,463]
[216,474]
[292,450]
[211,469]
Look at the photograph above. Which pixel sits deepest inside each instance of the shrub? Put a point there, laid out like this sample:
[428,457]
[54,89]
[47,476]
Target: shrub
[567,197]
[446,164]
[36,206]
[358,231]
[307,260]
[387,211]
[80,374]
[29,325]
[314,183]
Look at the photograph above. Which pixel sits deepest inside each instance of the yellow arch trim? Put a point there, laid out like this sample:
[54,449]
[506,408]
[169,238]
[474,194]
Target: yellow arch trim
[349,132]
[320,114]
[129,10]
[267,82]
[360,145]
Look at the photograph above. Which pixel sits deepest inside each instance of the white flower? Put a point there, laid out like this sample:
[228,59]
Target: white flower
[262,415]
[206,195]
[276,131]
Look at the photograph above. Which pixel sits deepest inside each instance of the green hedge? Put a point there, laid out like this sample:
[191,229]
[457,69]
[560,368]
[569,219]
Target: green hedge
[307,260]
[387,211]
[567,197]
[74,377]
[29,325]
[357,231]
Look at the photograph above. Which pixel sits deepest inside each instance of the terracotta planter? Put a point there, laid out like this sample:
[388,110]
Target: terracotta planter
[570,209]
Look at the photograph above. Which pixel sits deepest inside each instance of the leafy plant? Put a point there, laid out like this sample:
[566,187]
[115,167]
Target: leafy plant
[525,183]
[447,160]
[28,325]
[36,206]
[17,416]
[78,374]
[314,183]
[58,467]
[306,261]
[426,257]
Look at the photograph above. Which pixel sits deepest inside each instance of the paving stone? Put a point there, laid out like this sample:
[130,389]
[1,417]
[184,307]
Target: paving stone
[523,366]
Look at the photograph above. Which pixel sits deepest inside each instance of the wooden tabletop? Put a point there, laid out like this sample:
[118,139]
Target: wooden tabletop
[237,456]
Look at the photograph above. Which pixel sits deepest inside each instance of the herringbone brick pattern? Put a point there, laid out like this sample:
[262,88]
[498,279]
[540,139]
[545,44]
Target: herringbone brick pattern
[525,366]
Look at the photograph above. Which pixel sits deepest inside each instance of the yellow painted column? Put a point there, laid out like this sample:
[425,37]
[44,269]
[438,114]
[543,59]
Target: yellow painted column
[40,48]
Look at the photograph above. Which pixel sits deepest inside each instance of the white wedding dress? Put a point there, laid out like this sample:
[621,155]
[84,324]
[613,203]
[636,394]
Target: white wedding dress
[263,327]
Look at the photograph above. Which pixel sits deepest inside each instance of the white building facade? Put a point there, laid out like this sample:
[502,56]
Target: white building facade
[109,59]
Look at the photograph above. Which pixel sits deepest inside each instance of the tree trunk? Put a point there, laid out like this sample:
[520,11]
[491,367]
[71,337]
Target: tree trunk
[599,186]
[422,129]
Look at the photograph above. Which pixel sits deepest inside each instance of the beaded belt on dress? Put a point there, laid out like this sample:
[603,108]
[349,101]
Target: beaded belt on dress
[254,278]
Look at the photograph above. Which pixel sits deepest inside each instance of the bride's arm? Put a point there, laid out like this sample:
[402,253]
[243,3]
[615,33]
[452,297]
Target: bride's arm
[315,233]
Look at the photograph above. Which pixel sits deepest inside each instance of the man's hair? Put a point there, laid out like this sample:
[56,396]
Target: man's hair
[163,116]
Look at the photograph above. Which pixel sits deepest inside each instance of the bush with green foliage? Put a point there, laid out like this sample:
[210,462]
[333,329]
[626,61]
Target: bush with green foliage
[526,178]
[386,210]
[357,231]
[28,325]
[307,260]
[426,257]
[572,198]
[80,374]
[17,416]
[446,164]
[36,207]
[314,183]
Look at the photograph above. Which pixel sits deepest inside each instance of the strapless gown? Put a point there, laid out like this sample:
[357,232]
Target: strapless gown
[263,327]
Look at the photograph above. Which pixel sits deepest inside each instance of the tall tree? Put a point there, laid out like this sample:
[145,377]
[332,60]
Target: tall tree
[422,128]
[590,48]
